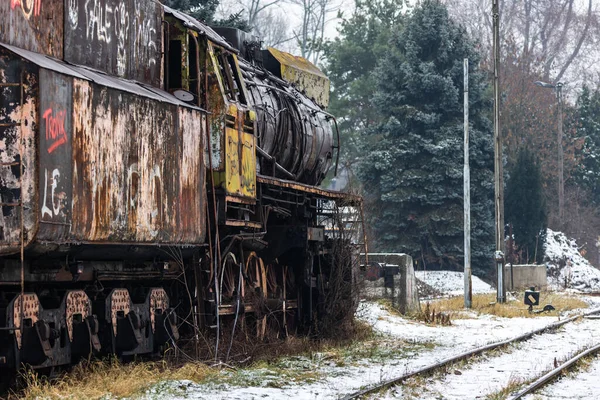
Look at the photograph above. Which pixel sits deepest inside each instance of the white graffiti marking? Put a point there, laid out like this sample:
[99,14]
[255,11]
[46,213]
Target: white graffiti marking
[156,185]
[133,189]
[122,33]
[55,204]
[98,20]
[73,13]
[145,41]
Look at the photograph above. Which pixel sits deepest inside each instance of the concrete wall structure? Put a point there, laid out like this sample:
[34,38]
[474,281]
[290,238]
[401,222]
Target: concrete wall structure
[524,276]
[403,291]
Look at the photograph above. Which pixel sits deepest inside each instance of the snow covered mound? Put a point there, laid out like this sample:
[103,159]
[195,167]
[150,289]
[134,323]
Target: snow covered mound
[452,282]
[566,266]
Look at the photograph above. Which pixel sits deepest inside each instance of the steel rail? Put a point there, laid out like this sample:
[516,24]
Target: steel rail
[463,356]
[547,378]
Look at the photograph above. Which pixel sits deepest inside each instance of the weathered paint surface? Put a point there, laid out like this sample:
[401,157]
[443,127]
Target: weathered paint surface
[55,154]
[138,169]
[34,25]
[248,167]
[233,146]
[122,38]
[232,163]
[99,164]
[215,101]
[239,177]
[304,75]
[18,127]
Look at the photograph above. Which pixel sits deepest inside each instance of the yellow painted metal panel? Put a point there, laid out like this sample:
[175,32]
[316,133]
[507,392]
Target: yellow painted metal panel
[248,172]
[304,75]
[232,161]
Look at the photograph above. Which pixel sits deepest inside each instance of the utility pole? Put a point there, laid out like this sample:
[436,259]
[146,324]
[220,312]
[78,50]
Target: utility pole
[561,180]
[467,192]
[499,184]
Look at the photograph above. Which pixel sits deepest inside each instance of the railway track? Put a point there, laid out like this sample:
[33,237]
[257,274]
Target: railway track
[428,370]
[550,376]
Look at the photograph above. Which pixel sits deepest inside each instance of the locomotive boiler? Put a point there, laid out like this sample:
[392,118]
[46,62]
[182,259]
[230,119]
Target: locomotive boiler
[154,172]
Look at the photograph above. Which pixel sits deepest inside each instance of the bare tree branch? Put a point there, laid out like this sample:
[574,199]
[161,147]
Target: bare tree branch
[579,44]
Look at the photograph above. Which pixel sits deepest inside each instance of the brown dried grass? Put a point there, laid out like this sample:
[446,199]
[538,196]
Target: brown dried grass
[486,304]
[96,379]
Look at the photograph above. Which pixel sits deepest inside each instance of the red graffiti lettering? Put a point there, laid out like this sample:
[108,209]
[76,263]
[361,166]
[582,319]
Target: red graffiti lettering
[29,7]
[55,129]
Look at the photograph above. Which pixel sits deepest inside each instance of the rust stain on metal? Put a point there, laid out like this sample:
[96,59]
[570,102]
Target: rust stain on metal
[18,130]
[100,165]
[309,189]
[31,311]
[120,302]
[76,303]
[139,171]
[158,301]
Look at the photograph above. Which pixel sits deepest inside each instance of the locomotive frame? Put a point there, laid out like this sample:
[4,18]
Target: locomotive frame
[150,173]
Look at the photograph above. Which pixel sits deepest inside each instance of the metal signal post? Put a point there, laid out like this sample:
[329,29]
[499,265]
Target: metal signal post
[499,184]
[467,191]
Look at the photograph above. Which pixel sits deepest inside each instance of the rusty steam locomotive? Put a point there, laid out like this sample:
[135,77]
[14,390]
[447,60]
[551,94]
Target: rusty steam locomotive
[152,171]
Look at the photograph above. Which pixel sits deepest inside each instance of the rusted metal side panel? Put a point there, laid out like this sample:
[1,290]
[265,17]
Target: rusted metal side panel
[122,38]
[55,155]
[192,175]
[18,126]
[138,169]
[34,25]
[215,102]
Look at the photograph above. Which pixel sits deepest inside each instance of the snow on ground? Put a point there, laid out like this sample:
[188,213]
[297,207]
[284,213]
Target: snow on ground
[567,268]
[526,360]
[583,385]
[452,282]
[417,345]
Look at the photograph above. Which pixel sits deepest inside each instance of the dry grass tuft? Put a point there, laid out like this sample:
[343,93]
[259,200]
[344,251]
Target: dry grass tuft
[486,304]
[97,379]
[431,314]
[433,317]
[514,383]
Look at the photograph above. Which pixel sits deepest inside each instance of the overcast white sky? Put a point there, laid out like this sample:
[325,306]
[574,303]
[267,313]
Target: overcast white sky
[292,12]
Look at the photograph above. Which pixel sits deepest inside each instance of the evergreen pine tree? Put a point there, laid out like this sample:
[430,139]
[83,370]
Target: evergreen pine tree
[351,59]
[587,173]
[413,169]
[525,209]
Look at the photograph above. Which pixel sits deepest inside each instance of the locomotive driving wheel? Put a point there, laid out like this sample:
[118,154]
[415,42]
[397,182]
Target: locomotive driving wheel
[232,282]
[281,304]
[256,294]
